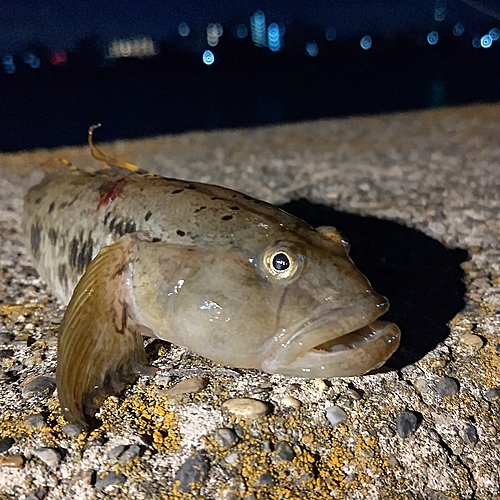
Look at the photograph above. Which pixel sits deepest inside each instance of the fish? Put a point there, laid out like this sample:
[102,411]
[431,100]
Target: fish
[230,277]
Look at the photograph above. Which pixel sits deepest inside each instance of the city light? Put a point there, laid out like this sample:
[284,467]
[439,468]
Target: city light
[458,29]
[494,34]
[208,57]
[32,60]
[486,41]
[312,49]
[241,31]
[214,32]
[258,28]
[8,64]
[331,34]
[274,37]
[432,38]
[132,47]
[183,29]
[366,42]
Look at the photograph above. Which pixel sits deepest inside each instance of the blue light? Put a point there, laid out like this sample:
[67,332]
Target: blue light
[183,29]
[366,42]
[486,41]
[312,49]
[476,42]
[8,64]
[433,37]
[241,31]
[458,29]
[273,37]
[258,28]
[31,60]
[494,34]
[331,34]
[208,57]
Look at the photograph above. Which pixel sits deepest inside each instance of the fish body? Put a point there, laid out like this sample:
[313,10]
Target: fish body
[232,278]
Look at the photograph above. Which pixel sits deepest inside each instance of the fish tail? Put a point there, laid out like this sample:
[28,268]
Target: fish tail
[100,346]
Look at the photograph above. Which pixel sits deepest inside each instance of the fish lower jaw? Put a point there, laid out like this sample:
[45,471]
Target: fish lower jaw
[352,354]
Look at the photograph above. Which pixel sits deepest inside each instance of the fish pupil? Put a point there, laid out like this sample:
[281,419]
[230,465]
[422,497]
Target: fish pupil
[281,262]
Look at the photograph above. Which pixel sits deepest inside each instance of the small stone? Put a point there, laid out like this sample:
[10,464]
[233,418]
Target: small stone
[40,384]
[266,446]
[110,479]
[264,479]
[11,461]
[187,386]
[225,437]
[353,394]
[72,430]
[246,407]
[492,394]
[192,473]
[406,423]
[39,494]
[49,456]
[470,435]
[474,341]
[6,353]
[6,444]
[336,415]
[232,458]
[130,453]
[321,384]
[4,338]
[114,453]
[421,385]
[35,420]
[283,451]
[291,402]
[446,387]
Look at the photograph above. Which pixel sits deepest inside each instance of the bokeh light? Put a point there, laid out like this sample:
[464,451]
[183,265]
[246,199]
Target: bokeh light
[432,38]
[366,42]
[208,57]
[312,49]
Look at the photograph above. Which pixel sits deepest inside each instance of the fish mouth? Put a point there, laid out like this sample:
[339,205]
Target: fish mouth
[342,342]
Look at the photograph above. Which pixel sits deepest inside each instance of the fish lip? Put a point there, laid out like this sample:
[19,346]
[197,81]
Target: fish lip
[308,343]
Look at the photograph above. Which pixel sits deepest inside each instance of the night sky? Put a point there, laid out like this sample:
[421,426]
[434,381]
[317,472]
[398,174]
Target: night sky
[60,23]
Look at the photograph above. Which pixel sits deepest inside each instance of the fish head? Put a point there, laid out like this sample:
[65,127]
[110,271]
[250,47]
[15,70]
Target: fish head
[294,305]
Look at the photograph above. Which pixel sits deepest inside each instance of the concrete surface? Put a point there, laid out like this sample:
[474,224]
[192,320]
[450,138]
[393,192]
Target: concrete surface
[418,195]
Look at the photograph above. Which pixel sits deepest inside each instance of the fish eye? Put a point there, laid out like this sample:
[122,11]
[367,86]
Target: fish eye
[281,263]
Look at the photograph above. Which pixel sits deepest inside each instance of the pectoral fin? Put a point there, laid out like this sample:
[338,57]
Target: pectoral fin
[100,346]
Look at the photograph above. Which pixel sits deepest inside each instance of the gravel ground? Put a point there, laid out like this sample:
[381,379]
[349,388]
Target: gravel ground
[418,195]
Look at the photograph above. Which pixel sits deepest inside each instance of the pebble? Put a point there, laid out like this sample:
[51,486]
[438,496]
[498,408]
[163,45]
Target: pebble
[321,384]
[49,456]
[291,402]
[406,423]
[246,407]
[109,479]
[35,420]
[336,415]
[6,444]
[72,430]
[192,473]
[492,394]
[232,458]
[187,386]
[421,385]
[265,479]
[116,451]
[470,434]
[225,437]
[472,340]
[283,451]
[40,384]
[6,353]
[353,394]
[446,387]
[12,461]
[130,453]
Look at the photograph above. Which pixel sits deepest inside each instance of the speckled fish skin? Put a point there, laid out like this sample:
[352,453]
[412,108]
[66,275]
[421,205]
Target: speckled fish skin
[232,278]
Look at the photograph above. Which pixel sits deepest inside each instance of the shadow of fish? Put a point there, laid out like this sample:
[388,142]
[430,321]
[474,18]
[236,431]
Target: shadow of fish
[232,278]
